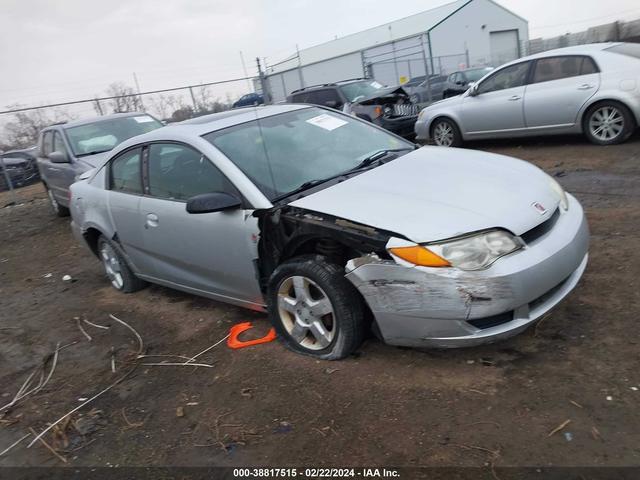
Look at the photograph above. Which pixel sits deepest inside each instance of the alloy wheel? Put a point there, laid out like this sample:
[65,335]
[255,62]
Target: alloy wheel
[606,123]
[443,134]
[111,265]
[306,312]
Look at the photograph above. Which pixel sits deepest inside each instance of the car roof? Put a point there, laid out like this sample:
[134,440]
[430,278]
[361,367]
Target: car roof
[199,126]
[574,50]
[86,121]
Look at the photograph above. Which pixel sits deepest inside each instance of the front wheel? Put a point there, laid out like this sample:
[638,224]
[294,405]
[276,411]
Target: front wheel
[314,309]
[445,133]
[116,268]
[608,123]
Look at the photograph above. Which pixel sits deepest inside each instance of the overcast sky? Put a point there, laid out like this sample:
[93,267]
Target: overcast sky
[58,50]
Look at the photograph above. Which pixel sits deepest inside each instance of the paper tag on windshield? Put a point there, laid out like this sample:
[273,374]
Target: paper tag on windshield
[143,119]
[327,122]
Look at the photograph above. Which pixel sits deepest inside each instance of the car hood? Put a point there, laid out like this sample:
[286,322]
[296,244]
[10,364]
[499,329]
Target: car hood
[447,102]
[97,160]
[14,162]
[436,193]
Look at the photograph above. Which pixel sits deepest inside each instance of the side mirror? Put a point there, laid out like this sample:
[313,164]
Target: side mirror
[212,202]
[331,103]
[473,89]
[58,157]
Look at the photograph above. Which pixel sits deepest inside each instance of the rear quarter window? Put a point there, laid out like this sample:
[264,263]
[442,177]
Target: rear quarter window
[627,49]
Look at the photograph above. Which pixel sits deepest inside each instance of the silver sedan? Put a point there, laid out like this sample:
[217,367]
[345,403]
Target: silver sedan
[331,224]
[590,89]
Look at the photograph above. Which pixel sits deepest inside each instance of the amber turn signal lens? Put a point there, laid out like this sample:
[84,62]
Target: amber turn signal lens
[419,256]
[377,112]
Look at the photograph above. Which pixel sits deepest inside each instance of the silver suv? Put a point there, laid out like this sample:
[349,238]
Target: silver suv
[67,150]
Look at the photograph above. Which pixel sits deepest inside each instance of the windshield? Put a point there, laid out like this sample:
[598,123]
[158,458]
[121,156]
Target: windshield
[103,135]
[357,90]
[477,74]
[282,152]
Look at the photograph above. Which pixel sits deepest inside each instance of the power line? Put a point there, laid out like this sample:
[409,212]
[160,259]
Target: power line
[63,104]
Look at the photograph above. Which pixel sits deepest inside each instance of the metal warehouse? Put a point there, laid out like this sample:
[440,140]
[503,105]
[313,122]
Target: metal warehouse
[461,34]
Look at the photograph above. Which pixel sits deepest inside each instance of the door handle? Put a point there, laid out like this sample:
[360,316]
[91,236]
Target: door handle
[152,220]
[585,86]
[514,98]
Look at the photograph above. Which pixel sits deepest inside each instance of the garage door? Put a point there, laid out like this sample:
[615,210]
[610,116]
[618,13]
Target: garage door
[504,46]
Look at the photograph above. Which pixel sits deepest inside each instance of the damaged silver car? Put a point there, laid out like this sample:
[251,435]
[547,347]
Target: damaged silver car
[334,225]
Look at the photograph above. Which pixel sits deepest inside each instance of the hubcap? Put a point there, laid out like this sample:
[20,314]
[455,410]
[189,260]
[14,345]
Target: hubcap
[54,202]
[606,123]
[111,266]
[306,312]
[443,134]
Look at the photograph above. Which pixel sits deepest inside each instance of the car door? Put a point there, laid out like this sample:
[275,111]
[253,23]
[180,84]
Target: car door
[125,193]
[210,252]
[497,105]
[559,87]
[63,174]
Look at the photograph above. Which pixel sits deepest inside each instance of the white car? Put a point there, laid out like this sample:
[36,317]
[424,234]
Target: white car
[591,89]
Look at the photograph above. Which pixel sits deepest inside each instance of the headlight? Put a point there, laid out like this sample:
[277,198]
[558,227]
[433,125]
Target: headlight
[559,191]
[422,113]
[474,252]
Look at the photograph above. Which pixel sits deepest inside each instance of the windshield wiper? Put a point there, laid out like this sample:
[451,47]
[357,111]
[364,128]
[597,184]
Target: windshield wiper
[93,152]
[376,156]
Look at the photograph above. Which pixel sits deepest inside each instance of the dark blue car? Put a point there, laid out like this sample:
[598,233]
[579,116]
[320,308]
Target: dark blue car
[248,100]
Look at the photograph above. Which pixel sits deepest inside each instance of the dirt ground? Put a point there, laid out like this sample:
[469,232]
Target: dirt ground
[264,405]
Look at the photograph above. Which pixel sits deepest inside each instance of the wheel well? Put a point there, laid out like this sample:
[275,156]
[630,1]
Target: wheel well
[326,246]
[91,236]
[607,100]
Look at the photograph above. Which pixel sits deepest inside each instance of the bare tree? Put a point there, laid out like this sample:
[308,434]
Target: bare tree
[126,99]
[164,105]
[23,129]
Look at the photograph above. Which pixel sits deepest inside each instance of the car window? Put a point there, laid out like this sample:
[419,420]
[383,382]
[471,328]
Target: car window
[105,134]
[628,49]
[509,77]
[321,97]
[126,172]
[47,143]
[178,172]
[58,143]
[556,68]
[281,152]
[588,66]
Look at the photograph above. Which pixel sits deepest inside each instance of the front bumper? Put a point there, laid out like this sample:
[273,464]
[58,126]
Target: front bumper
[402,126]
[448,307]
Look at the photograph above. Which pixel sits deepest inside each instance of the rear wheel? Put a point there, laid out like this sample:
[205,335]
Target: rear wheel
[116,268]
[445,133]
[314,309]
[58,209]
[608,123]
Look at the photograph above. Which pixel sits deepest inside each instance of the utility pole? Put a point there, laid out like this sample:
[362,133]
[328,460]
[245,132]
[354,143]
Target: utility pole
[299,68]
[263,83]
[193,99]
[135,79]
[244,69]
[99,107]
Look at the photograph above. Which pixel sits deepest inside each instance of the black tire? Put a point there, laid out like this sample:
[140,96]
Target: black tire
[129,282]
[456,137]
[348,325]
[628,122]
[58,210]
